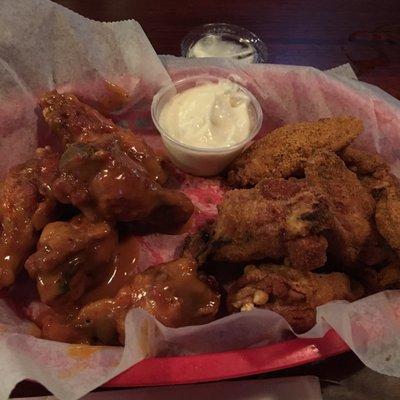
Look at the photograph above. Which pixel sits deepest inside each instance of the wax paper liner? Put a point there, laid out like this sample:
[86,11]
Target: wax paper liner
[43,46]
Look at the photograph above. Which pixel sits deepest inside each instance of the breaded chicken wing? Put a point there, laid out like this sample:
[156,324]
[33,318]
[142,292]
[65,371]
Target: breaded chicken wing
[283,152]
[375,175]
[289,292]
[26,205]
[276,219]
[387,213]
[349,203]
[362,162]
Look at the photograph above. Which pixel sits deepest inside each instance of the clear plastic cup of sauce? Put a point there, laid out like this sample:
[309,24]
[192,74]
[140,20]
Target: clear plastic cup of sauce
[224,40]
[197,159]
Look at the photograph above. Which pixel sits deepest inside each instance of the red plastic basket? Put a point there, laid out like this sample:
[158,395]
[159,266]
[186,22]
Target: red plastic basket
[230,364]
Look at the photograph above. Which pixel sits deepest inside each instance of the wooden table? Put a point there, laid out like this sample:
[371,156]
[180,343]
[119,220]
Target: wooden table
[318,33]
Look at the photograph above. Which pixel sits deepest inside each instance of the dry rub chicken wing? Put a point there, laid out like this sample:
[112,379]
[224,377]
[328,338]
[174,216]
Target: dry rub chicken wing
[283,152]
[172,292]
[350,205]
[276,219]
[68,256]
[289,292]
[26,205]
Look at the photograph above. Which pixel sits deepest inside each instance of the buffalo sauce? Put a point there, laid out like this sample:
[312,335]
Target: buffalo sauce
[119,272]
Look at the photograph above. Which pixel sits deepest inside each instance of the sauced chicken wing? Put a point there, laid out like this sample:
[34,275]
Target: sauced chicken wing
[172,292]
[74,121]
[26,205]
[68,255]
[110,173]
[289,292]
[276,219]
[350,205]
[102,181]
[283,152]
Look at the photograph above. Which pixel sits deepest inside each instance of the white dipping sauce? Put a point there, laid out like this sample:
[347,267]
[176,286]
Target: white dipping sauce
[217,46]
[212,115]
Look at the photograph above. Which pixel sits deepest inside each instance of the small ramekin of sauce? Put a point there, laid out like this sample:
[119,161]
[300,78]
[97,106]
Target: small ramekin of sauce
[205,122]
[226,41]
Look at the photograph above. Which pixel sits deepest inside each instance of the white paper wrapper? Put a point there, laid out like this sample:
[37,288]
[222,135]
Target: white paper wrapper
[43,46]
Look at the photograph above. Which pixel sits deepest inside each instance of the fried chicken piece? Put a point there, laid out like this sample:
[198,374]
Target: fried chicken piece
[68,255]
[389,276]
[276,219]
[289,292]
[283,152]
[362,162]
[375,252]
[73,121]
[172,292]
[26,205]
[376,279]
[102,181]
[375,176]
[349,203]
[387,213]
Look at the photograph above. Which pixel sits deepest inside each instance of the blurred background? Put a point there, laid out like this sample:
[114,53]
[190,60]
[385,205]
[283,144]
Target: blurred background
[322,34]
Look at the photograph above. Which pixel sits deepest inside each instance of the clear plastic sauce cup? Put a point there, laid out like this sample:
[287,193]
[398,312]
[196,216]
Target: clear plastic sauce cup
[202,161]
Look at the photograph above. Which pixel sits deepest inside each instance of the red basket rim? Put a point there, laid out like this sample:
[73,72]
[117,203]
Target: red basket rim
[230,364]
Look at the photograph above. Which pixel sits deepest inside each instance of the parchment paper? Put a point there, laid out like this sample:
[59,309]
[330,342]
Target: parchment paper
[43,46]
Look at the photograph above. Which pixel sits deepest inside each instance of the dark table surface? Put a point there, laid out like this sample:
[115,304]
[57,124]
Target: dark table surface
[318,33]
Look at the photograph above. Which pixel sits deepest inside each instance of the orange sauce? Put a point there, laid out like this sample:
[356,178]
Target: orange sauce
[118,272]
[81,351]
[113,99]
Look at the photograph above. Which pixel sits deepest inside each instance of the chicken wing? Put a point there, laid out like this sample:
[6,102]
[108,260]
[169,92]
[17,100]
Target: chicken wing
[103,182]
[108,172]
[172,292]
[289,292]
[362,162]
[387,213]
[349,203]
[67,255]
[283,152]
[73,121]
[276,219]
[375,176]
[26,206]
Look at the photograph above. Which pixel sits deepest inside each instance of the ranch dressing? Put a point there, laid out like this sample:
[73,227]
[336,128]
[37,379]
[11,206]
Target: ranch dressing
[211,115]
